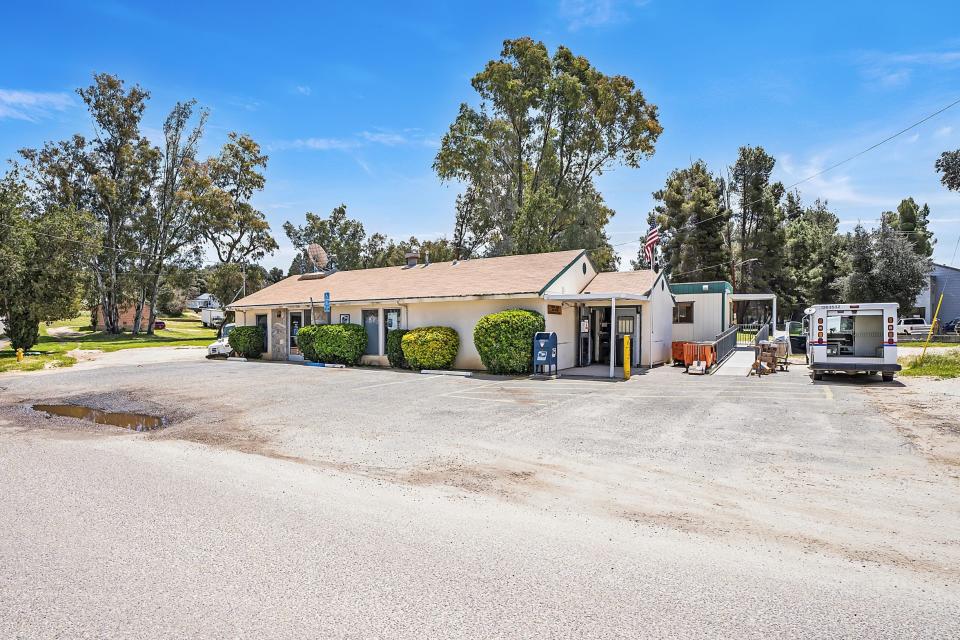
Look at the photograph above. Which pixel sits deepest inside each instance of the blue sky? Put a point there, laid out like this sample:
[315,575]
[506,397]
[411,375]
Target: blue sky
[350,99]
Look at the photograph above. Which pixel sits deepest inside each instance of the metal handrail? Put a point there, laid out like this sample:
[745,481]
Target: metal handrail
[726,343]
[762,334]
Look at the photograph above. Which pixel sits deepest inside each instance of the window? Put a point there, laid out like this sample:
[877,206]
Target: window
[683,313]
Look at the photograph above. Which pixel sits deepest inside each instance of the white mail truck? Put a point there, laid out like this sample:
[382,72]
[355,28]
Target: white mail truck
[852,338]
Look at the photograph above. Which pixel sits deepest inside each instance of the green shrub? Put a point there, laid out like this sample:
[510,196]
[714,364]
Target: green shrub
[430,347]
[395,349]
[247,341]
[505,340]
[333,343]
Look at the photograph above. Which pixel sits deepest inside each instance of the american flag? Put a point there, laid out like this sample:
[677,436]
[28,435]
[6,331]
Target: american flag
[653,237]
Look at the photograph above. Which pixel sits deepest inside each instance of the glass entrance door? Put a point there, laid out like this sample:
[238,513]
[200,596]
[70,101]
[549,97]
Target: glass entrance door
[391,322]
[262,323]
[296,321]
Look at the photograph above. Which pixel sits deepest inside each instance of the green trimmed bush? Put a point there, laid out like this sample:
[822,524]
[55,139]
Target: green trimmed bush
[395,349]
[430,347]
[333,343]
[505,340]
[247,341]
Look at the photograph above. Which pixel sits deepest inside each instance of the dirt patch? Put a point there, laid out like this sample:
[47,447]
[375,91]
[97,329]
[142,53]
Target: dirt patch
[692,523]
[84,355]
[64,333]
[488,479]
[926,414]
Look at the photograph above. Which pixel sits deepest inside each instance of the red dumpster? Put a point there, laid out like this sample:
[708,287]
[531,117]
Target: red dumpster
[678,357]
[702,351]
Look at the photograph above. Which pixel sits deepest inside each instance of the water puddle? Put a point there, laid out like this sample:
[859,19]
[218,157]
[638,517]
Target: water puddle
[132,421]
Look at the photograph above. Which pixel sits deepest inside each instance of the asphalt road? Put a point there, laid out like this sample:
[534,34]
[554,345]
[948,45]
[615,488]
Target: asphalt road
[286,501]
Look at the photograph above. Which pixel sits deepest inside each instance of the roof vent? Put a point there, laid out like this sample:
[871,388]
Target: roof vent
[413,257]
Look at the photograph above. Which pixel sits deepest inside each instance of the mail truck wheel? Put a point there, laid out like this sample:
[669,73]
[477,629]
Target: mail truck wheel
[887,376]
[817,375]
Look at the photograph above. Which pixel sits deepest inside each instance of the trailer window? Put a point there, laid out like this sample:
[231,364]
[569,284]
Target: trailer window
[683,313]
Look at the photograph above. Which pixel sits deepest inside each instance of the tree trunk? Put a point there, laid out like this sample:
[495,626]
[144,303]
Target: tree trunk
[154,292]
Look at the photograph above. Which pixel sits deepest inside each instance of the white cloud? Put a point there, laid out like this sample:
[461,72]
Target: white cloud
[384,137]
[835,188]
[303,90]
[31,105]
[893,70]
[316,144]
[913,138]
[581,14]
[944,132]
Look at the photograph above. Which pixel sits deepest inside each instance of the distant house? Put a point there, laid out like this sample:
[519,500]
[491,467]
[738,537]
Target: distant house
[203,301]
[582,306]
[942,279]
[126,316]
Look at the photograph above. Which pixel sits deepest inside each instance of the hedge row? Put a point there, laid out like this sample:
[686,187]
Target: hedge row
[430,347]
[247,341]
[504,340]
[332,343]
[395,349]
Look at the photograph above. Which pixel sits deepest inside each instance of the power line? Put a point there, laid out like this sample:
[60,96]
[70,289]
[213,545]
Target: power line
[81,242]
[834,165]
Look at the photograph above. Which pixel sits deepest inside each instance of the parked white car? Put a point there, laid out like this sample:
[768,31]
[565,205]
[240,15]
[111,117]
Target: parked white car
[912,327]
[221,347]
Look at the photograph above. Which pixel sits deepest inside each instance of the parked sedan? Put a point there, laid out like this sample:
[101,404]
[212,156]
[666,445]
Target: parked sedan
[952,327]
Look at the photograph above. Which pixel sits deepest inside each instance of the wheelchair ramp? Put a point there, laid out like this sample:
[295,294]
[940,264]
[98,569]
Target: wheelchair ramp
[738,364]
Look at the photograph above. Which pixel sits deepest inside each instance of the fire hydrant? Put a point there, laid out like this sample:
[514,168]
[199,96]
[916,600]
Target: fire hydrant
[20,354]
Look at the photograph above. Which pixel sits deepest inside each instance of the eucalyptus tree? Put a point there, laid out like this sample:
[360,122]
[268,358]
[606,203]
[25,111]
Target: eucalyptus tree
[110,176]
[528,155]
[221,188]
[169,232]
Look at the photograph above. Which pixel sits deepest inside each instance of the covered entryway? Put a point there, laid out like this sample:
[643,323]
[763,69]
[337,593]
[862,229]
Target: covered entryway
[602,327]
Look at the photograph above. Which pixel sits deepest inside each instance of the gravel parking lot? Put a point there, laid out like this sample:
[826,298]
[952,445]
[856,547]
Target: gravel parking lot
[288,500]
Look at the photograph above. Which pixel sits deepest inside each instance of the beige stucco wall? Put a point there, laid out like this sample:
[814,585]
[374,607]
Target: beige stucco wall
[565,326]
[463,317]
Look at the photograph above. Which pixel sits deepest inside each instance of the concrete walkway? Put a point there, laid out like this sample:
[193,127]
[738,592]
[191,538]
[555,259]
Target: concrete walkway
[738,364]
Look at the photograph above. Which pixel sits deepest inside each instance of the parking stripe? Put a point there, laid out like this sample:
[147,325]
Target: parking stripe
[408,380]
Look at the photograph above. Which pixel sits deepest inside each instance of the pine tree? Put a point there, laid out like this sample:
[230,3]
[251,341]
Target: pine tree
[911,221]
[692,216]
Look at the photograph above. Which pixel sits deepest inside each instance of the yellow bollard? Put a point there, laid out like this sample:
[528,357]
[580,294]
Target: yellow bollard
[20,355]
[626,357]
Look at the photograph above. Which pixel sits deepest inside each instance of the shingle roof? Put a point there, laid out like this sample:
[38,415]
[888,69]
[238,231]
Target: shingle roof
[638,282]
[507,275]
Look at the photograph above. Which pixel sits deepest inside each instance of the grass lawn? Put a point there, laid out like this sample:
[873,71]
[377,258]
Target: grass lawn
[940,365]
[919,345]
[185,331]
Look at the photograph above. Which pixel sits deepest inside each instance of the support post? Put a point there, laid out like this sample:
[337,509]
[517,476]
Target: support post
[773,320]
[613,336]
